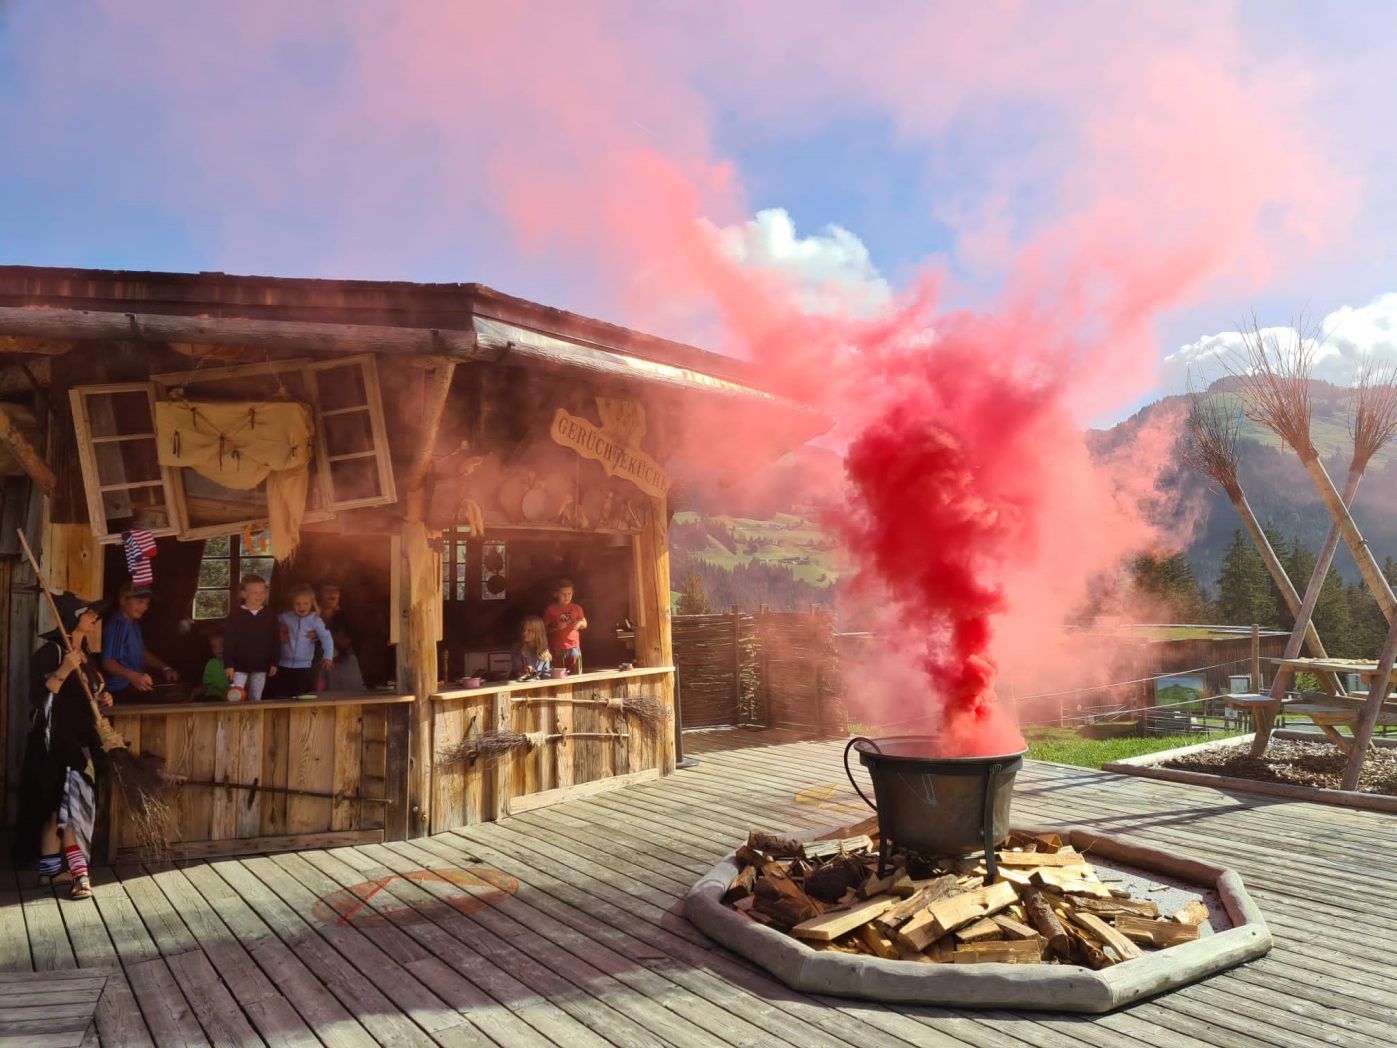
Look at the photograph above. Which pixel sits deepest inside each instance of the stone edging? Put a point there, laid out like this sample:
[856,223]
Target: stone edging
[1147,766]
[1052,987]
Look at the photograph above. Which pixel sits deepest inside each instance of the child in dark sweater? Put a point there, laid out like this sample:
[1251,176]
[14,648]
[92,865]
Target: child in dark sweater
[251,640]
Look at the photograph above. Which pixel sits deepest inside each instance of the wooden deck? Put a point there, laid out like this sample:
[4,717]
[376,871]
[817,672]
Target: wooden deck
[569,930]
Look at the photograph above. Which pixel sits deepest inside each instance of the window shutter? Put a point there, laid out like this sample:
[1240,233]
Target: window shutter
[355,467]
[125,484]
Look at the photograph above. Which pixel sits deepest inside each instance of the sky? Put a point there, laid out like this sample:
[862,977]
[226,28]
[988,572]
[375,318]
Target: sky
[856,151]
[967,232]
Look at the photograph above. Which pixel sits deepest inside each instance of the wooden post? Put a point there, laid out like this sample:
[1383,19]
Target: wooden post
[1255,658]
[422,597]
[654,643]
[1377,693]
[736,659]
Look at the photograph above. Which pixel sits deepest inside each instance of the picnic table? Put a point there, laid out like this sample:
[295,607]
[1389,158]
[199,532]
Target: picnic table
[1328,709]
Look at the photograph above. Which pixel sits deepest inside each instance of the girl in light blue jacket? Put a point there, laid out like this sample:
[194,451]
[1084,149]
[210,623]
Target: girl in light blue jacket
[301,627]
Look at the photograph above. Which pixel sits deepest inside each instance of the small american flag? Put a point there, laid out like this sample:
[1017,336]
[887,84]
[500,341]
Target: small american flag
[140,548]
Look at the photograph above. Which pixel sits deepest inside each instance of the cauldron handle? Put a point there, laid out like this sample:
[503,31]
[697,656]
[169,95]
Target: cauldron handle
[991,781]
[848,772]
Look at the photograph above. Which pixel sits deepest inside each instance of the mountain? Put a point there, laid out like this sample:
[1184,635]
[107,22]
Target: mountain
[1276,485]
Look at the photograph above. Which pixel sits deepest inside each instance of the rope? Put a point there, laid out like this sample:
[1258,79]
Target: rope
[536,739]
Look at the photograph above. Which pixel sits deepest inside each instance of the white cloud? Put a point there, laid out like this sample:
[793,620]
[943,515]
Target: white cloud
[828,272]
[1349,338]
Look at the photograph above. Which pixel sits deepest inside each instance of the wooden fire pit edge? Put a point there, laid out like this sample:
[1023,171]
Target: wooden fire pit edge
[1028,987]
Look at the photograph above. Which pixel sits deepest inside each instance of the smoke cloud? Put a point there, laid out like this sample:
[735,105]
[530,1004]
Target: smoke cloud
[1123,163]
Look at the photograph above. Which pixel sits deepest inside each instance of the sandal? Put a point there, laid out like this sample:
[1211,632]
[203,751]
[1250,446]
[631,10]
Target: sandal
[82,887]
[48,880]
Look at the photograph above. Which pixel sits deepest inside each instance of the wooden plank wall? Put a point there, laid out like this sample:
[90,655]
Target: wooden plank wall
[467,794]
[340,749]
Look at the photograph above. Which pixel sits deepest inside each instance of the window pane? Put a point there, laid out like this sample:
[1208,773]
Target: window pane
[341,387]
[460,591]
[349,433]
[211,604]
[115,414]
[461,553]
[216,547]
[126,462]
[259,566]
[354,479]
[213,574]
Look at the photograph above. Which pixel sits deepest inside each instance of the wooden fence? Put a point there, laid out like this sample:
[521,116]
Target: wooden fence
[775,669]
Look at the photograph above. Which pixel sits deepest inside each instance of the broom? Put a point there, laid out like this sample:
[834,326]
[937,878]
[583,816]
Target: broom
[648,711]
[152,816]
[492,745]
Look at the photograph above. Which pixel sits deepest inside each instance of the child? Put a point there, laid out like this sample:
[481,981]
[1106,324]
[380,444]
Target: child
[564,619]
[251,640]
[301,627]
[214,686]
[531,654]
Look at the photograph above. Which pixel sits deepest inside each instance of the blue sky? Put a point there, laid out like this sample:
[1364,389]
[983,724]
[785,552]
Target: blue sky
[150,135]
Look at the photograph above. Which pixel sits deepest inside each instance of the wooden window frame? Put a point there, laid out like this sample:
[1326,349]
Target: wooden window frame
[172,483]
[87,459]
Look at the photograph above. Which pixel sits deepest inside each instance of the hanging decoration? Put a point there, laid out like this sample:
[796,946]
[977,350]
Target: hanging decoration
[241,444]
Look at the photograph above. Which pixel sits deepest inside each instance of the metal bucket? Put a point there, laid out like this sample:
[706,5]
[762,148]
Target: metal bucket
[936,805]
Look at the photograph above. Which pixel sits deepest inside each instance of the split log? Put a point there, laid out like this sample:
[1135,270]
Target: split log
[773,844]
[876,943]
[942,952]
[1041,914]
[1194,913]
[829,882]
[909,907]
[956,911]
[1012,928]
[981,931]
[1066,857]
[1067,884]
[866,828]
[1085,951]
[829,926]
[742,885]
[1155,933]
[1104,933]
[841,846]
[881,885]
[913,955]
[1020,951]
[1117,907]
[782,899]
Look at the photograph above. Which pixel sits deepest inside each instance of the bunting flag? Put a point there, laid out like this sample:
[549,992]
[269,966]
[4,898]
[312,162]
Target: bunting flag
[140,548]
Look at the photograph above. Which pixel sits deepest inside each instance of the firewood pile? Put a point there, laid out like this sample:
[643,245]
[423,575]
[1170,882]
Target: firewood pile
[1047,904]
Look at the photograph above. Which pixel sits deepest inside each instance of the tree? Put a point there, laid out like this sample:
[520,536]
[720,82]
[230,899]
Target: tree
[1244,594]
[1170,581]
[693,598]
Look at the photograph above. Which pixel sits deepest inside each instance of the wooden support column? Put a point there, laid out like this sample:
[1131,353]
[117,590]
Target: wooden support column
[27,455]
[654,643]
[1255,657]
[1377,693]
[422,598]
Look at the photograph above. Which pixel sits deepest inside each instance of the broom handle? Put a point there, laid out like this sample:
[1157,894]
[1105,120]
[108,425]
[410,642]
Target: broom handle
[53,607]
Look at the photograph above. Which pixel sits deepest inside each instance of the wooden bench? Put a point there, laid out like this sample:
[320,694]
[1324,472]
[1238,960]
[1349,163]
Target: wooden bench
[1328,714]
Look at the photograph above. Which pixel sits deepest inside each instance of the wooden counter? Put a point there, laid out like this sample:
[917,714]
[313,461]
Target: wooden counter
[353,747]
[465,793]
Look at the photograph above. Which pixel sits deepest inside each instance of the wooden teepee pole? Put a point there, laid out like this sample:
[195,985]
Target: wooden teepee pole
[1377,692]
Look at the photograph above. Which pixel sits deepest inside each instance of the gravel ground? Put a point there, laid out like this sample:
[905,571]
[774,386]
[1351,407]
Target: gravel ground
[1299,763]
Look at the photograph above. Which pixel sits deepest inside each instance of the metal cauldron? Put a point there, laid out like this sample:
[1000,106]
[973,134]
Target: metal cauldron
[936,805]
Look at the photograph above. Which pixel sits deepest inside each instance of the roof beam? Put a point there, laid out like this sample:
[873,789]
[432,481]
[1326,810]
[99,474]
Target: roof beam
[76,325]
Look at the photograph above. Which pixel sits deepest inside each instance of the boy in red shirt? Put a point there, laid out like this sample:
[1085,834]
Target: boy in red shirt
[564,620]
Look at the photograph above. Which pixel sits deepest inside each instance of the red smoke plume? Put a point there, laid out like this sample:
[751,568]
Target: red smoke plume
[1168,158]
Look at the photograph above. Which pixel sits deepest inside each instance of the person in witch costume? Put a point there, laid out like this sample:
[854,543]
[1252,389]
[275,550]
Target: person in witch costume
[58,784]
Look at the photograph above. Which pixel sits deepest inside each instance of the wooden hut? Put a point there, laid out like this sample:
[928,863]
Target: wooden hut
[440,452]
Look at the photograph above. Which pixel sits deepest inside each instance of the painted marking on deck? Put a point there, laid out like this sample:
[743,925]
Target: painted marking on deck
[465,891]
[831,798]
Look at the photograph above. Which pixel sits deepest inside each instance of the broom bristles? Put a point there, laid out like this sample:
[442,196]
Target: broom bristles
[489,745]
[147,799]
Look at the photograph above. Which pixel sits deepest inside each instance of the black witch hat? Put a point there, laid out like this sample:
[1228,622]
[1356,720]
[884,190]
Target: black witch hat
[70,608]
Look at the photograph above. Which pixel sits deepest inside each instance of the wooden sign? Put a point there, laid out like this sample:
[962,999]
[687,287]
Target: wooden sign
[615,443]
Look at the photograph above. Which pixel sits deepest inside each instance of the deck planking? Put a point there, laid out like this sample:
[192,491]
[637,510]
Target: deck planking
[590,948]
